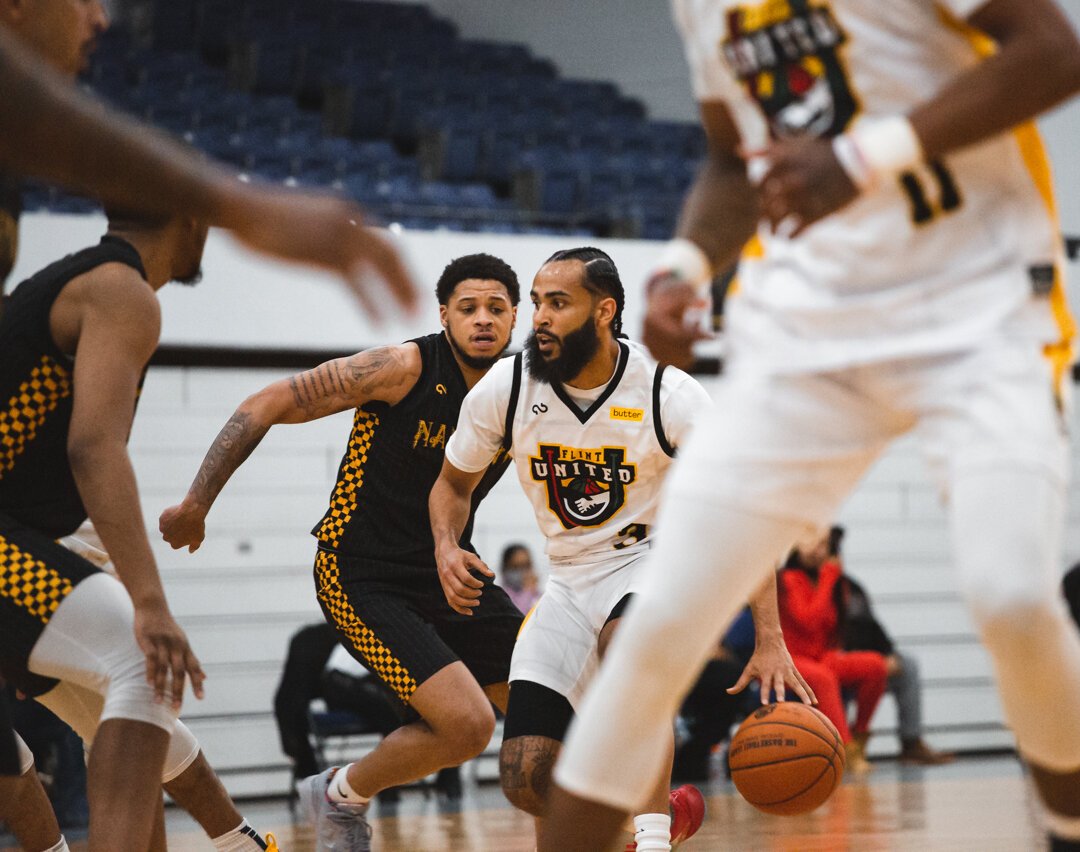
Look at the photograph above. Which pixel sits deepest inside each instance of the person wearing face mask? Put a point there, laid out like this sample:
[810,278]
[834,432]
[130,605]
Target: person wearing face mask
[518,577]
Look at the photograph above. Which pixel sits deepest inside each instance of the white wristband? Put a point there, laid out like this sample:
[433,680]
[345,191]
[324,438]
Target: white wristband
[878,148]
[685,260]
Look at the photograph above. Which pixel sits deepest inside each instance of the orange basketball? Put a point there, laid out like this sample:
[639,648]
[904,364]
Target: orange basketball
[786,758]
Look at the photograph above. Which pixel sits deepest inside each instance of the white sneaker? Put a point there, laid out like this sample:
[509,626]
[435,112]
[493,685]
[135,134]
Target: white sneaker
[339,827]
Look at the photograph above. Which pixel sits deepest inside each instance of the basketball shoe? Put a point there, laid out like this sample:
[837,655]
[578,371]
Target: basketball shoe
[687,807]
[339,827]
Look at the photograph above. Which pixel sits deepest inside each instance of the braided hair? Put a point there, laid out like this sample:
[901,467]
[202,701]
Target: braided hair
[601,277]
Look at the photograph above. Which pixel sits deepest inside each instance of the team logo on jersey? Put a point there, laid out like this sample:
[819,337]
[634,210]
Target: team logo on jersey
[585,487]
[785,52]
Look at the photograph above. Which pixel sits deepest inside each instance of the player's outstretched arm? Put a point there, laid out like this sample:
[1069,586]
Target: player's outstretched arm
[385,374]
[771,664]
[719,215]
[119,325]
[449,504]
[49,130]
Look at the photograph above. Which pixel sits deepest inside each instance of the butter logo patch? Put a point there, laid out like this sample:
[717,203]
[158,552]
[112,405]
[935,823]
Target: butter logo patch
[630,415]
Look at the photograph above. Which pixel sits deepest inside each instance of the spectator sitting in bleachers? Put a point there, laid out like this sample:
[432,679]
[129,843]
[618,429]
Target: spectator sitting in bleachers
[519,578]
[861,631]
[811,597]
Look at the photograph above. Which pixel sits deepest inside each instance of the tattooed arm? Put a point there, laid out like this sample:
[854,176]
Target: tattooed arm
[385,374]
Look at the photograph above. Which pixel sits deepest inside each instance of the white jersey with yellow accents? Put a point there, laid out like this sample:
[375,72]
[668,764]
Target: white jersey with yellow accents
[593,466]
[931,262]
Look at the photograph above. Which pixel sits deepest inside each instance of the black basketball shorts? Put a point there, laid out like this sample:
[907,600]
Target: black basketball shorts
[396,622]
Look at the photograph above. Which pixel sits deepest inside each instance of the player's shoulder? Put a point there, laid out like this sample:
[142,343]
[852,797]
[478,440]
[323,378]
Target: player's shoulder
[116,289]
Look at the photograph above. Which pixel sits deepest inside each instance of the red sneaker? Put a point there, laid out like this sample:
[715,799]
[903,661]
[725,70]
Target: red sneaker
[687,807]
[687,813]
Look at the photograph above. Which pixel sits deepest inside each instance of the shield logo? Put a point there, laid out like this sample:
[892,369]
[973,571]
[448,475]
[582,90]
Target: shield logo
[786,55]
[585,487]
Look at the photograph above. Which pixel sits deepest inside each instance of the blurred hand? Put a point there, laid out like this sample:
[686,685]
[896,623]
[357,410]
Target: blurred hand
[183,526]
[804,183]
[461,587]
[667,333]
[169,658]
[321,230]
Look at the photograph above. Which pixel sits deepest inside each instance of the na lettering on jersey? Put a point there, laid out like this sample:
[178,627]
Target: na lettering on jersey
[585,487]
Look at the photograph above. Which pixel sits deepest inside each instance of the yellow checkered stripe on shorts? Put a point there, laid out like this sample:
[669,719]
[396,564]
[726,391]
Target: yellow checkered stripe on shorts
[343,501]
[379,657]
[27,409]
[29,583]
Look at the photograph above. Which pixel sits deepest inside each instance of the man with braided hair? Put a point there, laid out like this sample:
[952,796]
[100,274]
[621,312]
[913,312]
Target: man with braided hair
[592,423]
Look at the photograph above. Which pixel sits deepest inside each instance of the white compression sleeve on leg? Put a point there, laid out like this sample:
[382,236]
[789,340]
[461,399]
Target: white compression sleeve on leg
[1007,528]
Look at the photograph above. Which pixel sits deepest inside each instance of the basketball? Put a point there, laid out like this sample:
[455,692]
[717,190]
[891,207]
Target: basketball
[786,758]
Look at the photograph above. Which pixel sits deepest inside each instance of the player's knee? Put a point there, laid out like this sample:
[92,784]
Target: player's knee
[183,750]
[1014,624]
[129,696]
[469,733]
[525,770]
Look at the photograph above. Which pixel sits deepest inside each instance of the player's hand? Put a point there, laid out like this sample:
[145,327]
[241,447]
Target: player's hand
[324,231]
[771,664]
[804,183]
[183,526]
[461,587]
[667,333]
[169,658]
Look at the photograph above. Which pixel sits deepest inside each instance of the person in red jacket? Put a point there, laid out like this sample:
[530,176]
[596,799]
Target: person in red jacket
[811,607]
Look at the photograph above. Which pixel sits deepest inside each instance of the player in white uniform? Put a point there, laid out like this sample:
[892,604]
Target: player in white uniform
[594,424]
[905,276]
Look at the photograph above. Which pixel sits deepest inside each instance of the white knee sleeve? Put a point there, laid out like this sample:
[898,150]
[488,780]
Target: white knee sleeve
[90,642]
[82,709]
[26,757]
[183,749]
[1007,527]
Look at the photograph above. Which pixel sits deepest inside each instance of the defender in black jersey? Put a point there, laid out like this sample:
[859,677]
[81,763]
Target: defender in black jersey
[375,569]
[64,422]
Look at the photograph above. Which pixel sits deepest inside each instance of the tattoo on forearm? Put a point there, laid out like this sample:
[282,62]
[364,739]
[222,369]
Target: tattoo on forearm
[232,446]
[317,391]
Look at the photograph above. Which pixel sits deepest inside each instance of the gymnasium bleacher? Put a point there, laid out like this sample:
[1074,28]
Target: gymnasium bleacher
[388,104]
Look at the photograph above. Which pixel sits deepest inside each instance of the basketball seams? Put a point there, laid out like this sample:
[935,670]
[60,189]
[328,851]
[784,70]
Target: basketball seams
[830,741]
[776,726]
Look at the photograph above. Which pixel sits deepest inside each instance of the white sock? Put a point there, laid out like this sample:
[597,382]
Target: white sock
[243,838]
[61,846]
[340,791]
[652,832]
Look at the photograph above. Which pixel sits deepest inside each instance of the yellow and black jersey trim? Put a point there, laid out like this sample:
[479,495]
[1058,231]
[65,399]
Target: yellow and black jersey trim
[26,410]
[344,500]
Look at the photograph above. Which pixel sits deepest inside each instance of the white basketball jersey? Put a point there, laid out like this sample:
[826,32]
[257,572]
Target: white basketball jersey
[593,476]
[931,262]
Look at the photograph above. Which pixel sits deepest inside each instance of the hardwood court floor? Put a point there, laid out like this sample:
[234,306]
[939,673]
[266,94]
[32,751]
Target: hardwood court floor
[975,804]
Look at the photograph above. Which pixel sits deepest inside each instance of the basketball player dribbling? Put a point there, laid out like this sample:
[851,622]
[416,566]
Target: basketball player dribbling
[905,276]
[375,570]
[593,424]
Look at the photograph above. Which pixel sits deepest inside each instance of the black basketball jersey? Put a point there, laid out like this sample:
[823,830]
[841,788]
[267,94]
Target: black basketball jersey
[379,506]
[37,487]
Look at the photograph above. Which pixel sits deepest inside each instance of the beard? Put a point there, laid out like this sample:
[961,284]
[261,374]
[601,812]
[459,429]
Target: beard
[474,362]
[576,350]
[190,280]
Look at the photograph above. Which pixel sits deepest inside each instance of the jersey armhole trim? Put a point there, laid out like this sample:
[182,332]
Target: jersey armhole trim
[511,405]
[658,425]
